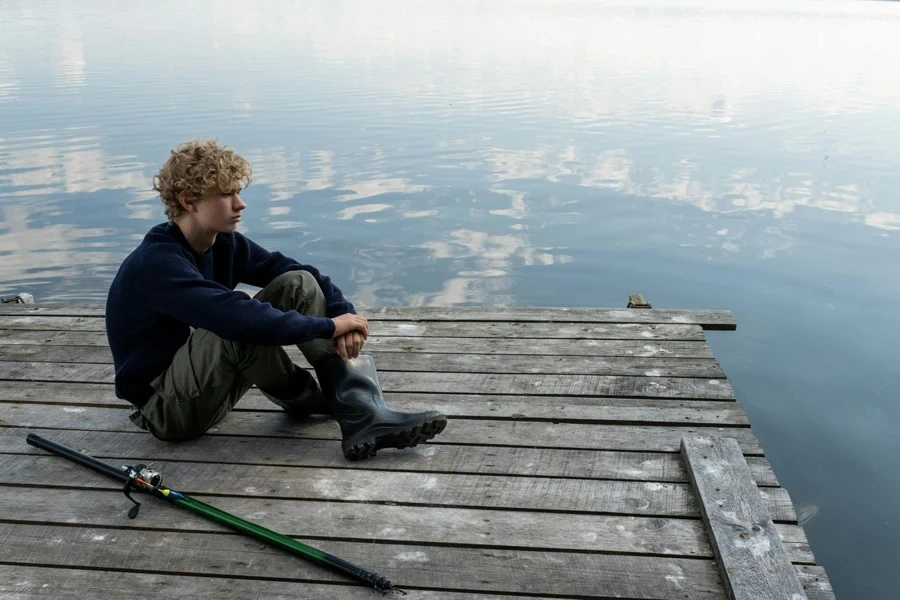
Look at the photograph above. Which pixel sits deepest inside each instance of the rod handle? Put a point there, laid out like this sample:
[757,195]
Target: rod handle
[75,456]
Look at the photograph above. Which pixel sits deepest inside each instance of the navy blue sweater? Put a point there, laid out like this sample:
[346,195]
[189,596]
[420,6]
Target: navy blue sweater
[164,287]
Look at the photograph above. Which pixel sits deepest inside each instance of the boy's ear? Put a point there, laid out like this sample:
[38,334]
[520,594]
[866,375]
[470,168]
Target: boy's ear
[186,202]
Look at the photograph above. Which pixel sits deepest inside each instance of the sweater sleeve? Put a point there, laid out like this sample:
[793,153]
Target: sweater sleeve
[173,287]
[258,267]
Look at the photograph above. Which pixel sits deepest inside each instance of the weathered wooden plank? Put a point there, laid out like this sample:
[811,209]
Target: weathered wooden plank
[557,385]
[18,581]
[815,582]
[557,409]
[55,353]
[453,383]
[708,319]
[495,460]
[753,562]
[55,325]
[584,575]
[50,323]
[26,582]
[16,337]
[434,345]
[533,361]
[442,362]
[639,438]
[78,309]
[528,408]
[379,522]
[428,489]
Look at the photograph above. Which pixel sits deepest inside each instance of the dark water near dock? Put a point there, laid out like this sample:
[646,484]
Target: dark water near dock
[537,153]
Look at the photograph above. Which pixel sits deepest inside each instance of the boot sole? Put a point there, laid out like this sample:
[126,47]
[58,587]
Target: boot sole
[404,438]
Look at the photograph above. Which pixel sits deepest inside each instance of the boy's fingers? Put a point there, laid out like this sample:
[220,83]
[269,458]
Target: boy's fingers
[340,345]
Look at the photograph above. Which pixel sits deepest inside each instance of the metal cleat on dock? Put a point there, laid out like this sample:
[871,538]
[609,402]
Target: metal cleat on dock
[22,298]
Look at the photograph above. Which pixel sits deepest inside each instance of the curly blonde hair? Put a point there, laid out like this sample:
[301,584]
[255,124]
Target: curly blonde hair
[196,167]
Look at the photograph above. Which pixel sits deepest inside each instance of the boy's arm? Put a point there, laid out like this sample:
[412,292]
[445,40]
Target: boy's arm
[173,287]
[258,267]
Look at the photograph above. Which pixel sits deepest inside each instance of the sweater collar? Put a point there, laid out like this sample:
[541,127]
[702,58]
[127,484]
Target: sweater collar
[175,231]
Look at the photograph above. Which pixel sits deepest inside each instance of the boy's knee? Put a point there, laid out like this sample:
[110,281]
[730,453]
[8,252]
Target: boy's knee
[303,280]
[295,290]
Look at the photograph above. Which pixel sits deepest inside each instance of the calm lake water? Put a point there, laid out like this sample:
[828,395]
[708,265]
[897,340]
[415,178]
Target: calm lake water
[740,156]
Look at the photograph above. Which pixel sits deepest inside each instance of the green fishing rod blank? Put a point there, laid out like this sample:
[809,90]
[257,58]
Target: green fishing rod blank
[142,479]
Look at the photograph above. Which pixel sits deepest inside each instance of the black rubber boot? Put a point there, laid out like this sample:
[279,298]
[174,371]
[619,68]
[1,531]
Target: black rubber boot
[301,397]
[367,424]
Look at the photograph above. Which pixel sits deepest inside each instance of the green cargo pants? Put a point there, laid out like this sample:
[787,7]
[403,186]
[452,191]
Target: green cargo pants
[209,375]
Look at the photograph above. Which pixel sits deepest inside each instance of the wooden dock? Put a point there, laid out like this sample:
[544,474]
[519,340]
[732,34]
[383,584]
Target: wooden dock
[586,456]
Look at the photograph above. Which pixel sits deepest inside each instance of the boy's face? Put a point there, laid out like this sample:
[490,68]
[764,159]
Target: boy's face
[220,210]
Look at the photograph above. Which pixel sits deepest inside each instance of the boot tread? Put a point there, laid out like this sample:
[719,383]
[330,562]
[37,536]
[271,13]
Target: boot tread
[404,438]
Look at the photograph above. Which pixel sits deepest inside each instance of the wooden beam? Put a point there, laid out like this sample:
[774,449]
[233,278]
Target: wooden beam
[61,583]
[684,538]
[559,409]
[47,327]
[496,492]
[453,383]
[532,434]
[472,362]
[425,458]
[708,319]
[23,341]
[752,560]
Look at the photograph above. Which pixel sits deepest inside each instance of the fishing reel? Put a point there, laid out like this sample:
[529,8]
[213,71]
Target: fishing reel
[139,477]
[144,473]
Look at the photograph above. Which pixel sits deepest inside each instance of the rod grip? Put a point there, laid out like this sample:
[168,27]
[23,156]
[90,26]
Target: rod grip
[75,456]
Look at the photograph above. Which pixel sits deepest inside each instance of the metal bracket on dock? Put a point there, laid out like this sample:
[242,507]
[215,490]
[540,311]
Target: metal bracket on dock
[22,298]
[637,301]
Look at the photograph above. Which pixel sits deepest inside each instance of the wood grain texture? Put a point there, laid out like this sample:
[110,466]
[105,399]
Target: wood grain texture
[557,385]
[708,319]
[650,366]
[47,583]
[561,458]
[648,411]
[478,570]
[453,383]
[423,489]
[647,347]
[19,582]
[637,438]
[752,560]
[379,522]
[15,324]
[429,458]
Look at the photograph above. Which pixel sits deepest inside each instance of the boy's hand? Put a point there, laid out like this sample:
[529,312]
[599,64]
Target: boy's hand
[350,333]
[349,344]
[350,322]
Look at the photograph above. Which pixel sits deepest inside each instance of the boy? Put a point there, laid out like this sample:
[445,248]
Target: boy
[186,346]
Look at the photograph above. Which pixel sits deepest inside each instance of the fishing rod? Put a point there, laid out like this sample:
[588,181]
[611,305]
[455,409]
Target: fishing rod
[140,478]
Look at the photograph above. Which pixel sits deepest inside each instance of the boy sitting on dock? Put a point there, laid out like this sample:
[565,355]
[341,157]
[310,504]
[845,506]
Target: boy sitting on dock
[187,346]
